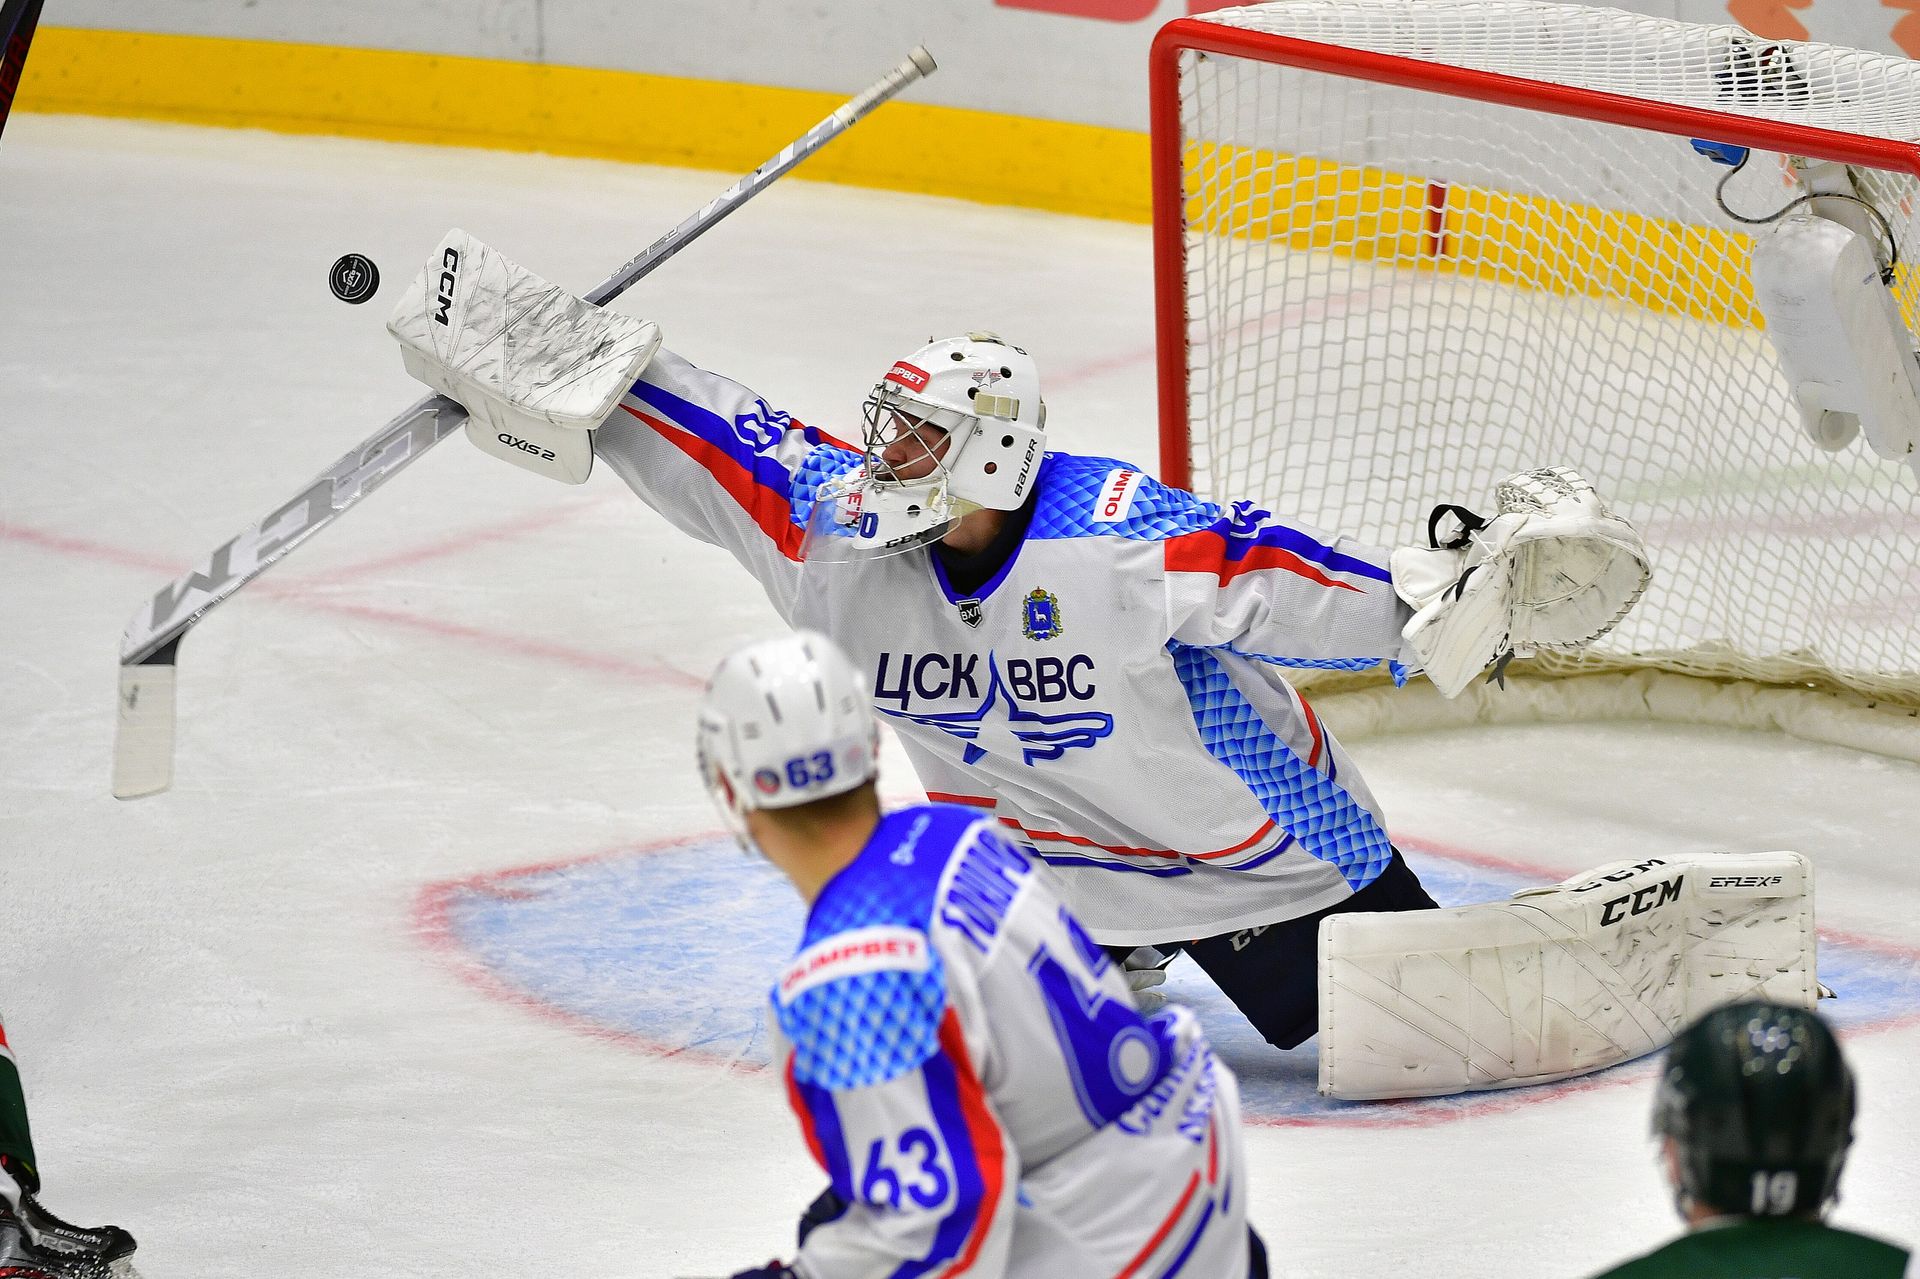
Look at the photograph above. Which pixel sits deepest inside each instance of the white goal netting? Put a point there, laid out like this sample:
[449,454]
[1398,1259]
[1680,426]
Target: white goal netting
[1396,294]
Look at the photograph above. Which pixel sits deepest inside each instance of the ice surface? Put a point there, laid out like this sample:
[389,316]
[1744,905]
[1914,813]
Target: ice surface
[433,961]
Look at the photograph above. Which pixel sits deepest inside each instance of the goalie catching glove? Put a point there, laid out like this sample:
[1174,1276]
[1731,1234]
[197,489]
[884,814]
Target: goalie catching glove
[536,368]
[1553,569]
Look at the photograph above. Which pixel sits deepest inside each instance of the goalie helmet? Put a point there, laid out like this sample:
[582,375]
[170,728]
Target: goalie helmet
[1759,1104]
[954,427]
[784,722]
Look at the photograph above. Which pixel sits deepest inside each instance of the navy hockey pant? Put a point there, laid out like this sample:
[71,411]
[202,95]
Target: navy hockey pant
[1271,972]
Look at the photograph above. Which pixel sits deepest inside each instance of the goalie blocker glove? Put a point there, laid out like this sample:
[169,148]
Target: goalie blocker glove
[537,368]
[1554,569]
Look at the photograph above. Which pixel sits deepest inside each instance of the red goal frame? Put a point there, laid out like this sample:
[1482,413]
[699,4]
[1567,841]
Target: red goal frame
[1183,35]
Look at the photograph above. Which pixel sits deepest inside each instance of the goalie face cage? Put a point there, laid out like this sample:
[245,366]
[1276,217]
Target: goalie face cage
[1405,247]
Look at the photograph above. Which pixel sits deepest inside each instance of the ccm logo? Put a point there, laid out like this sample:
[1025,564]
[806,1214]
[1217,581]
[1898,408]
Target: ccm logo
[525,446]
[1619,875]
[908,376]
[449,267]
[1116,496]
[1652,897]
[1745,881]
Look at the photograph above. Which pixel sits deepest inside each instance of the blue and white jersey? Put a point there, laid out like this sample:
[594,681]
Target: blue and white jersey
[969,1070]
[1115,697]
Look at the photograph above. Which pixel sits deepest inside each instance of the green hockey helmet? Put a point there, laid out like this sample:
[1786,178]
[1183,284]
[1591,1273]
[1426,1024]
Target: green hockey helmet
[1759,1104]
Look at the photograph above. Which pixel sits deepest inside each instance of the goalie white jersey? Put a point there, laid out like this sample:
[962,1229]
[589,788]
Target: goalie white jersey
[969,1070]
[1114,696]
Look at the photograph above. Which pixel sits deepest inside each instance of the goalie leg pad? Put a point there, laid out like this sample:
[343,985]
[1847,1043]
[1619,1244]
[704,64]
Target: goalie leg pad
[536,368]
[1559,981]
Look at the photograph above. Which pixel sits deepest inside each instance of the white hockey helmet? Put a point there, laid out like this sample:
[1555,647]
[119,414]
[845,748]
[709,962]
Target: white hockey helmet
[980,395]
[785,722]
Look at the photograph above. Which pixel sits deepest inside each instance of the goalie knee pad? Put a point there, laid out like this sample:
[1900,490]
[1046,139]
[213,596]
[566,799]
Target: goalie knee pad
[1561,980]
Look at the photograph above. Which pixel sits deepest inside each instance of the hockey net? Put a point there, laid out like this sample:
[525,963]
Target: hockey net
[1406,247]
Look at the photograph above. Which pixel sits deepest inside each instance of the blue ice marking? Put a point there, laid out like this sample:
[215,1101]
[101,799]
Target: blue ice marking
[677,947]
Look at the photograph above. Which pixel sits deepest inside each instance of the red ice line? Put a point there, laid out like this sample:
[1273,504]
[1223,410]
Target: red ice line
[301,592]
[535,521]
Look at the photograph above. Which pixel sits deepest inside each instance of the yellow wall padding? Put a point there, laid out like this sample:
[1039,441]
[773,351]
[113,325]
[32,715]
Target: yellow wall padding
[1082,169]
[616,115]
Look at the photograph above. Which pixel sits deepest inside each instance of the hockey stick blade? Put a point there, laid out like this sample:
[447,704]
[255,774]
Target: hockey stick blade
[144,728]
[144,733]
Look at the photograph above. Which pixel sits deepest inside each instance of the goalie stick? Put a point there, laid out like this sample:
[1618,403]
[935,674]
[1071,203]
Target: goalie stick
[18,18]
[143,738]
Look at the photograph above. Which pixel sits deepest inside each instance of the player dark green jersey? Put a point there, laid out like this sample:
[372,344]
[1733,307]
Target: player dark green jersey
[16,1143]
[1768,1248]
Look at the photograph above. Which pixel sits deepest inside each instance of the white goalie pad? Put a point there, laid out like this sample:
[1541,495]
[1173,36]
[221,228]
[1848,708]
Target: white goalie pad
[536,368]
[1558,981]
[1554,569]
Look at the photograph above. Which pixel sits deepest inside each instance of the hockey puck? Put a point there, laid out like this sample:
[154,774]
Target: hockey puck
[354,278]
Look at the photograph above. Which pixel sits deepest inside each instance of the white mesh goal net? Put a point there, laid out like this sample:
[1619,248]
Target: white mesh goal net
[1395,294]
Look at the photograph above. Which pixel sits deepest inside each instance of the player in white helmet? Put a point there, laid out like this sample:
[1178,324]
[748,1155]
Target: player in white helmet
[953,429]
[1097,660]
[966,1065]
[1064,643]
[784,724]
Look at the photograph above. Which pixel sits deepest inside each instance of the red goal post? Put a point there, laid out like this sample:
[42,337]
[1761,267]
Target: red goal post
[1405,246]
